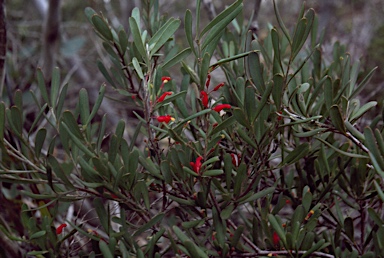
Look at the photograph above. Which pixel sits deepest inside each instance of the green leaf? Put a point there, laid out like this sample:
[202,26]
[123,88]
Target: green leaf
[84,105]
[213,172]
[364,109]
[163,35]
[89,13]
[298,153]
[55,86]
[217,25]
[278,228]
[204,68]
[157,219]
[61,101]
[263,101]
[379,190]
[58,170]
[337,118]
[281,23]
[348,154]
[97,104]
[137,67]
[229,59]
[38,234]
[257,195]
[222,18]
[137,39]
[256,72]
[105,249]
[105,73]
[188,30]
[328,92]
[102,214]
[42,86]
[177,59]
[123,40]
[374,152]
[102,27]
[77,141]
[39,140]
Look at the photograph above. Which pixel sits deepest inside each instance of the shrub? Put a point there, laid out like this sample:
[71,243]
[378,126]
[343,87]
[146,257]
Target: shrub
[275,159]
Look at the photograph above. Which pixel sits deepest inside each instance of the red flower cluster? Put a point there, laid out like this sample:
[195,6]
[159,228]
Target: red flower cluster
[162,97]
[220,107]
[59,229]
[166,119]
[164,80]
[275,238]
[196,166]
[204,98]
[218,86]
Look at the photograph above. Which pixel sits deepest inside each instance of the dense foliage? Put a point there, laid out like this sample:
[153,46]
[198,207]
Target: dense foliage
[257,147]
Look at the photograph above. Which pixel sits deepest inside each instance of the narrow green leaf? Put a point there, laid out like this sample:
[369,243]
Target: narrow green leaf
[337,118]
[39,140]
[89,13]
[102,27]
[218,20]
[84,105]
[348,154]
[38,234]
[77,141]
[188,30]
[328,92]
[61,101]
[204,68]
[278,228]
[105,73]
[217,25]
[177,59]
[314,248]
[298,153]
[105,249]
[374,151]
[263,101]
[58,170]
[157,219]
[42,86]
[137,67]
[256,72]
[257,195]
[55,86]
[97,104]
[102,214]
[379,190]
[281,23]
[364,109]
[137,39]
[165,35]
[123,41]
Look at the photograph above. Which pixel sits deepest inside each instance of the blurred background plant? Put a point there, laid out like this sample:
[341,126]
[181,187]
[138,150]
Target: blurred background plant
[214,134]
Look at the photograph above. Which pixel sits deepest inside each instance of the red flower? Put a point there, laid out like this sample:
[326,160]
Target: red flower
[196,166]
[208,80]
[165,79]
[218,86]
[275,238]
[204,98]
[220,107]
[162,97]
[59,229]
[166,119]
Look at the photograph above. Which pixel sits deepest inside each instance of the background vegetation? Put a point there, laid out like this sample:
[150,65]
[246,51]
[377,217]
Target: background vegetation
[203,133]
